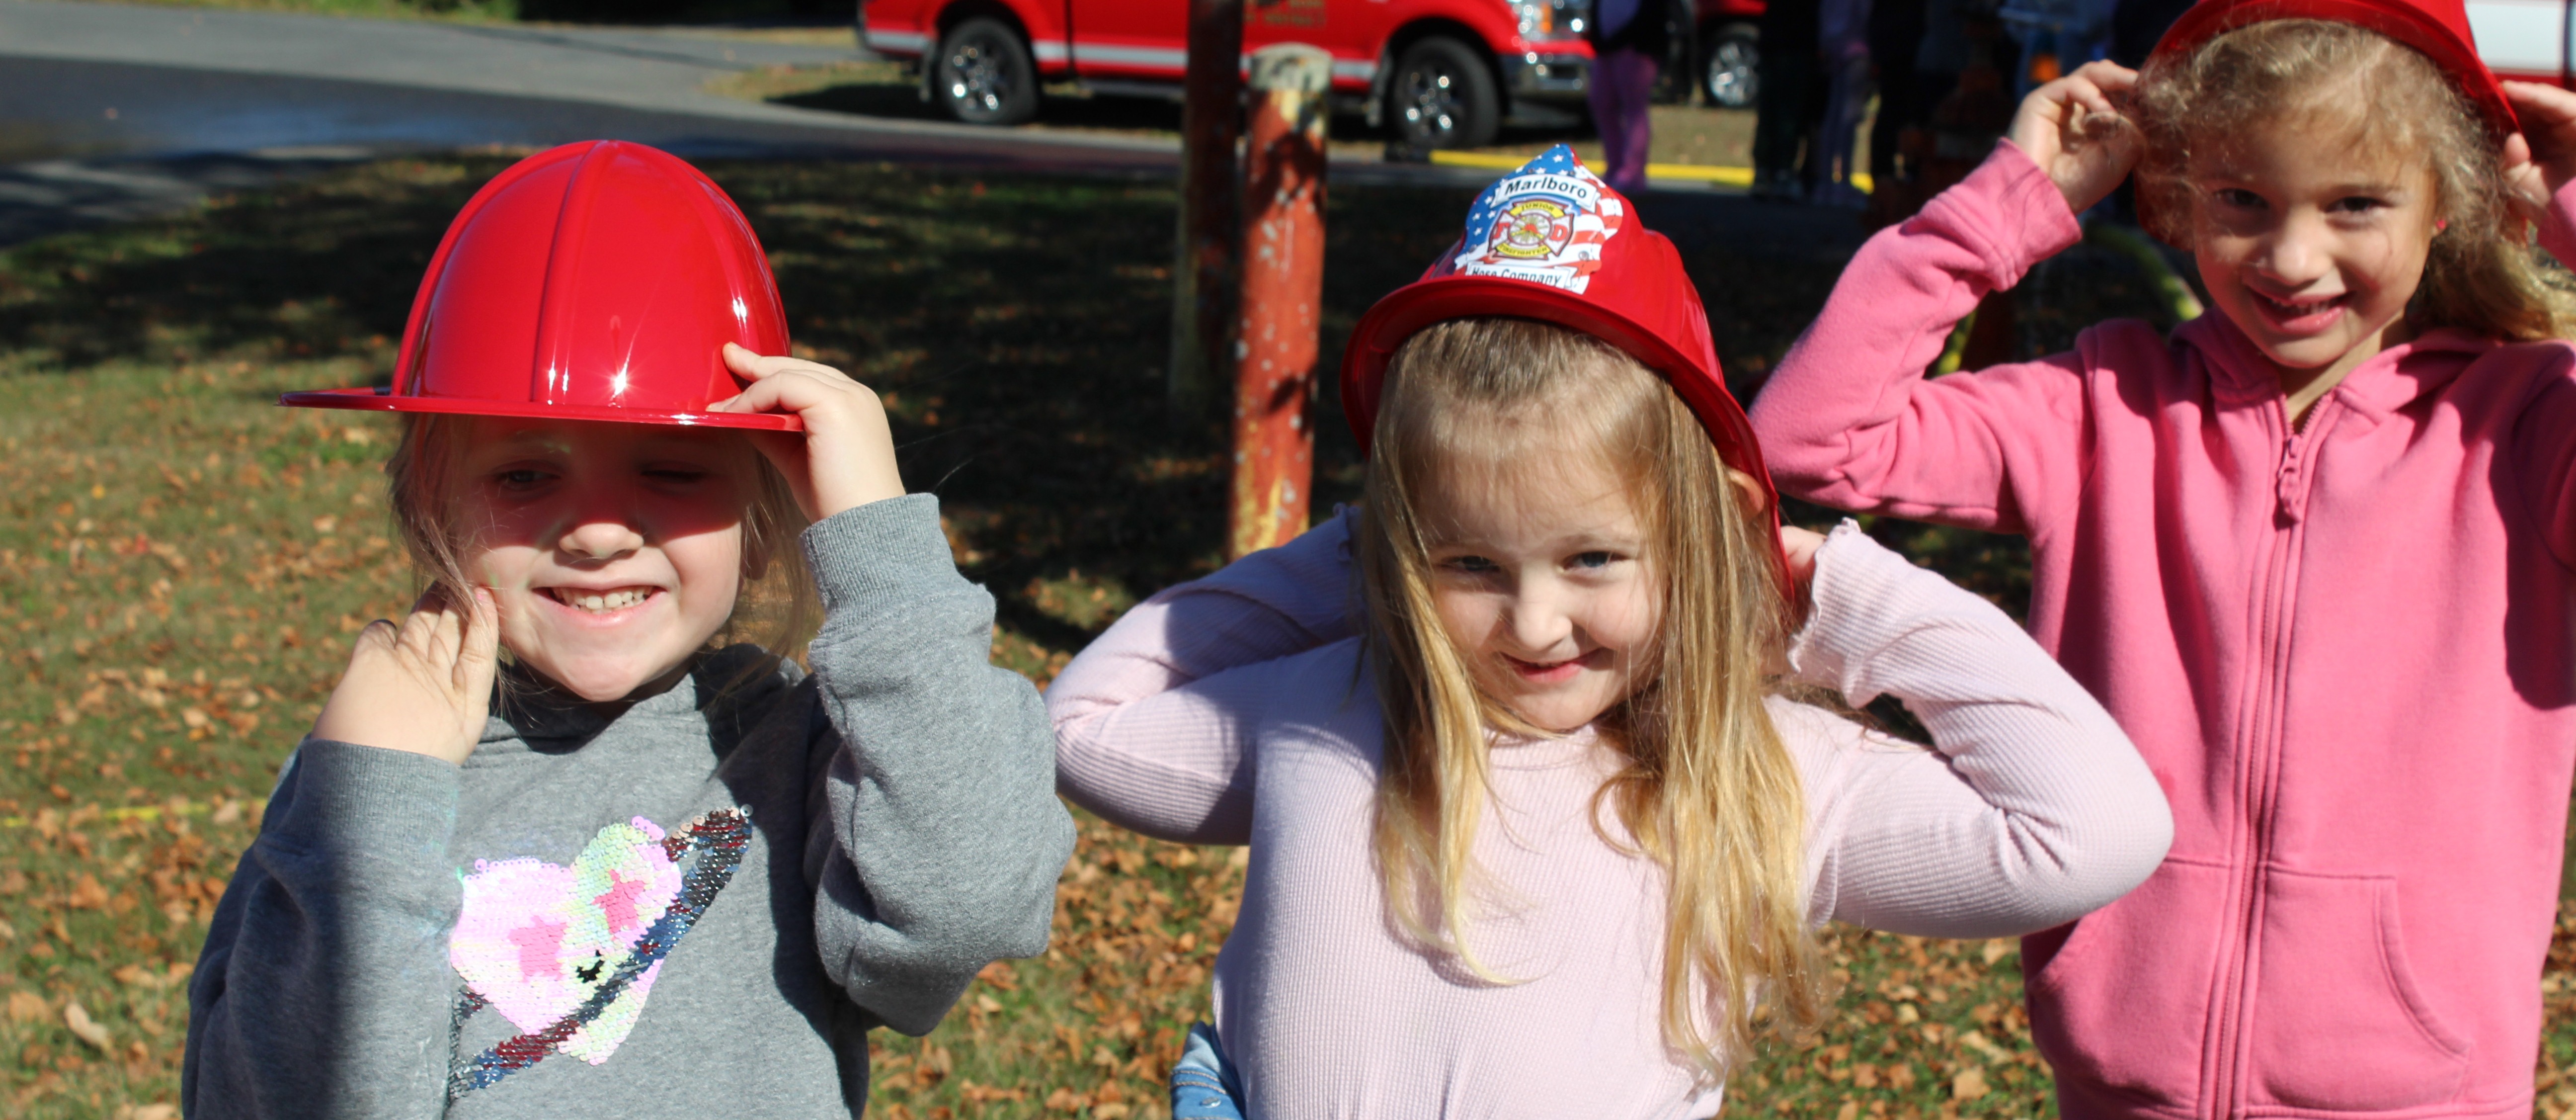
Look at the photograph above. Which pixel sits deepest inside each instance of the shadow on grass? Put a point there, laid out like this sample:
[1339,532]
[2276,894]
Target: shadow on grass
[1017,326]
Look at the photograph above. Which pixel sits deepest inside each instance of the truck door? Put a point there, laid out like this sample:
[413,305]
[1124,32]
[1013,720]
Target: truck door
[1131,38]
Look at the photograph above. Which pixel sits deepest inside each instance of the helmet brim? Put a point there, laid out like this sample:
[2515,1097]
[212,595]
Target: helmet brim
[1414,307]
[369,399]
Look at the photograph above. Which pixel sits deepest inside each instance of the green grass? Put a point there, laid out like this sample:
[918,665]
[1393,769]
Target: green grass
[181,565]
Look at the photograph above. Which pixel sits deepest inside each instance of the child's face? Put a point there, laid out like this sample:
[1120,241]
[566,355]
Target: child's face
[614,551]
[2310,244]
[1542,581]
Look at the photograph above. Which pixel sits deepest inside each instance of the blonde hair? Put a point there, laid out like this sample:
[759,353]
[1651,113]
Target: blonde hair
[2481,274]
[423,478]
[1708,789]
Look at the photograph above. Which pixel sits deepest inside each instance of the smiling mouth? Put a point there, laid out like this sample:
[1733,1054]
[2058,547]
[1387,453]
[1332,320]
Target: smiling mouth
[599,602]
[1544,672]
[2298,312]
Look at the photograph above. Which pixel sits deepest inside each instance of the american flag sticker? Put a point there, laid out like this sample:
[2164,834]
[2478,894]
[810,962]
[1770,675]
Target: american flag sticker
[1545,223]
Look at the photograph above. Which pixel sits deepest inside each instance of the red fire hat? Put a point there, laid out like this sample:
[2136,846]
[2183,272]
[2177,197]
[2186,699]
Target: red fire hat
[2438,28]
[1552,242]
[594,281]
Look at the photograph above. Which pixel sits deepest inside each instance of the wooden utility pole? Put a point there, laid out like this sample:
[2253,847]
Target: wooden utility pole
[1207,267]
[1283,296]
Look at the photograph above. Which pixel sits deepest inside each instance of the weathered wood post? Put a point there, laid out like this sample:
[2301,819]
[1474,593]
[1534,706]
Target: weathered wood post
[1207,267]
[1283,296]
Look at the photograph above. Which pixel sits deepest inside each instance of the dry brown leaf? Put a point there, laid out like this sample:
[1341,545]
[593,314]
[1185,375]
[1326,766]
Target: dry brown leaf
[28,1007]
[86,894]
[83,1027]
[1969,1085]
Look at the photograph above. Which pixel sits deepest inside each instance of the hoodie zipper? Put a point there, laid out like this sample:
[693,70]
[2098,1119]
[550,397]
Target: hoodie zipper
[2258,768]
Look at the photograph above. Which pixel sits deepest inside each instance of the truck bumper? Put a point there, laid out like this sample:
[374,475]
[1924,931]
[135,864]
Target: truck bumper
[1559,78]
[1546,90]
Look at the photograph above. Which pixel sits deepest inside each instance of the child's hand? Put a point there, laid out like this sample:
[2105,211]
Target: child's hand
[2542,157]
[424,686]
[845,459]
[2074,130]
[1799,546]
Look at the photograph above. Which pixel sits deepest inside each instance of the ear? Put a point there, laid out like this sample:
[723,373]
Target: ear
[1747,486]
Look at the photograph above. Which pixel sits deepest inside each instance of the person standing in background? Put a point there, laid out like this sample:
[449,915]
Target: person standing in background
[1895,33]
[1789,41]
[1629,41]
[1843,34]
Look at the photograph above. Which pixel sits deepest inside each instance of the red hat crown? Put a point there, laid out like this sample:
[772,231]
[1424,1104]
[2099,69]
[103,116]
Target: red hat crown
[1552,242]
[2438,28]
[594,281]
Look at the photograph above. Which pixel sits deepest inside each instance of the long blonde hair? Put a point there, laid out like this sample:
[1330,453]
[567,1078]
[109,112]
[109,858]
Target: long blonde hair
[778,610]
[1707,789]
[2481,275]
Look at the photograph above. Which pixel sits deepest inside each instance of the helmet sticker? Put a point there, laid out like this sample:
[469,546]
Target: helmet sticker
[1544,223]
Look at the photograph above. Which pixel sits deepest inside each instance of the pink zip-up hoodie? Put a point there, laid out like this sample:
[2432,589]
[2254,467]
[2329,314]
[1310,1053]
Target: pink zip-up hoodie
[2348,652]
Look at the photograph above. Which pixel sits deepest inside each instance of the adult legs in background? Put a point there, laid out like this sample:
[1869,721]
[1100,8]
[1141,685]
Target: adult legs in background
[1623,86]
[1787,82]
[1844,105]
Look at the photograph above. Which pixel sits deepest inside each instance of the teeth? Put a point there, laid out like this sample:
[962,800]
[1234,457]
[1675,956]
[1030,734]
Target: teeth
[602,601]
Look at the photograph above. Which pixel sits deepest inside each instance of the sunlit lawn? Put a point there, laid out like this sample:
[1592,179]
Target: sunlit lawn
[181,565]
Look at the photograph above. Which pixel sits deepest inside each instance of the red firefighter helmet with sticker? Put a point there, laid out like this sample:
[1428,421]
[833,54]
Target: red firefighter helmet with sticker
[2439,29]
[594,281]
[1552,242]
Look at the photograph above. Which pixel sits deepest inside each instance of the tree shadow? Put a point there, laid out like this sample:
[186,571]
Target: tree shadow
[1016,324]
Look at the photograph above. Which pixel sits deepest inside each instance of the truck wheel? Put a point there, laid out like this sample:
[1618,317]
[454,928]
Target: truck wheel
[1442,96]
[1733,74]
[983,74]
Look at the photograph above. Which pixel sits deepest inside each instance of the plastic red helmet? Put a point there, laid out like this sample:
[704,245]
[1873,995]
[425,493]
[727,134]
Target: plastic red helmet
[594,281]
[1552,242]
[2438,28]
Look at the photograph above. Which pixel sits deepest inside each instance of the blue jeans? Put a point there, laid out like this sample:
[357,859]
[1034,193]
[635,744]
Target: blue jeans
[1204,1086]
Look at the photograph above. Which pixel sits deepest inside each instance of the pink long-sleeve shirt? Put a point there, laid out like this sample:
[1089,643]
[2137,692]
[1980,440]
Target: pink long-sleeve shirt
[2345,650]
[1235,710]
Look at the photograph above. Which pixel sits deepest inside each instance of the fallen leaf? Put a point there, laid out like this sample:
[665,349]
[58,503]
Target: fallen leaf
[86,894]
[28,1007]
[82,1026]
[1969,1084]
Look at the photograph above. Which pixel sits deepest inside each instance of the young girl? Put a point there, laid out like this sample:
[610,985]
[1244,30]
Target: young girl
[632,870]
[1533,831]
[2313,551]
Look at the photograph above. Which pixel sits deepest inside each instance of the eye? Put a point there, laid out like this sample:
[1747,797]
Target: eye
[675,475]
[2358,204]
[1592,560]
[2237,198]
[517,479]
[1470,565]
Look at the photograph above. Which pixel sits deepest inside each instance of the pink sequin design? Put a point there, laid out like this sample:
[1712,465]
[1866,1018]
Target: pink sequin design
[537,939]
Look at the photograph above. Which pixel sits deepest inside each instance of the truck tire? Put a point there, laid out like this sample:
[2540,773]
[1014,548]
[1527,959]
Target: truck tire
[983,74]
[1732,75]
[1443,96]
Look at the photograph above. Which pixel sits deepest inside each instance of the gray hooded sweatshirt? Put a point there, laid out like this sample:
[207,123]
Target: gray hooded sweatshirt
[698,907]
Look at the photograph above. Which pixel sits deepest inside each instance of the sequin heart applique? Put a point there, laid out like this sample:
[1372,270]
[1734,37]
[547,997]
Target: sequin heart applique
[569,954]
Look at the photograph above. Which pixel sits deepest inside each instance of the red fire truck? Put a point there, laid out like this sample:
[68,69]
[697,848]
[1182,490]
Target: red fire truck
[1439,73]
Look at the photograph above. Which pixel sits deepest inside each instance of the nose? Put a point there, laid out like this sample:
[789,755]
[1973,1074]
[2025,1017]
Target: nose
[601,538]
[602,527]
[2294,254]
[1538,621]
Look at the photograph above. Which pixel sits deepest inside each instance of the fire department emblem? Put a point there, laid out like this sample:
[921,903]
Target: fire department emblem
[1545,223]
[1534,229]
